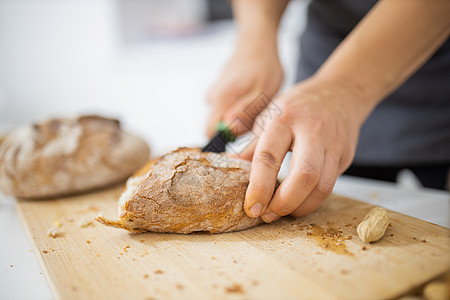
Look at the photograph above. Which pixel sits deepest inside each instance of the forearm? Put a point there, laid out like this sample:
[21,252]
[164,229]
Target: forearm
[257,21]
[387,47]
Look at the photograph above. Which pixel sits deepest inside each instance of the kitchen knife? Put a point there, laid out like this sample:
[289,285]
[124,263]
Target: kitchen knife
[221,138]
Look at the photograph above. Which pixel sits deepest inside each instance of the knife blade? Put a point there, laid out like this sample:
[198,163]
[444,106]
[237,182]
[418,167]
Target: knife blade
[219,141]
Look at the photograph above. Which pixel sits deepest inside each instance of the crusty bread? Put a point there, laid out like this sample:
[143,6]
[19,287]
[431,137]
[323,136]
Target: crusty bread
[68,155]
[186,191]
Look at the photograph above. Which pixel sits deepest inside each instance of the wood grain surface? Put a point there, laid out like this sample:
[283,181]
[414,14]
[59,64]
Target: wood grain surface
[316,257]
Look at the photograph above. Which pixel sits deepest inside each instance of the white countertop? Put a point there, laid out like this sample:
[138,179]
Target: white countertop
[157,89]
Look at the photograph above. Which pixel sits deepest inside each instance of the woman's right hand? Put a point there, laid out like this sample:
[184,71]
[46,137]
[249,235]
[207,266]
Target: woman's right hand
[253,69]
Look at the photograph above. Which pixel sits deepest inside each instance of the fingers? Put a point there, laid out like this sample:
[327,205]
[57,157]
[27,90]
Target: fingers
[267,158]
[220,100]
[249,150]
[241,116]
[214,118]
[322,190]
[304,174]
[247,153]
[232,113]
[238,113]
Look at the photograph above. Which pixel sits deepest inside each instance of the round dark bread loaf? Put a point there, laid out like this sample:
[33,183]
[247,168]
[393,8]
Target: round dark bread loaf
[67,156]
[186,191]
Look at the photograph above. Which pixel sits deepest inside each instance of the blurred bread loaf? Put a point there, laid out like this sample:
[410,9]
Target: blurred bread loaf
[68,155]
[186,191]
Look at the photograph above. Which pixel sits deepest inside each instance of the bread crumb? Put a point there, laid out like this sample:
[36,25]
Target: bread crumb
[179,286]
[93,208]
[141,241]
[424,241]
[10,266]
[55,230]
[364,248]
[146,276]
[235,288]
[88,241]
[45,251]
[158,272]
[83,222]
[374,196]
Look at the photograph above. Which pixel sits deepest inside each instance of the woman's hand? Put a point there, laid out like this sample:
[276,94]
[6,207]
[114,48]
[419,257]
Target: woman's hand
[320,122]
[254,68]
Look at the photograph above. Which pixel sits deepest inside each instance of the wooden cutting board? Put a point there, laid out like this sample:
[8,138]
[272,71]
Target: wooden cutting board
[316,257]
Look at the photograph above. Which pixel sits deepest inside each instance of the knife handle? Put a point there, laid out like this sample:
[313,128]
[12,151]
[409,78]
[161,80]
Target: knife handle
[221,138]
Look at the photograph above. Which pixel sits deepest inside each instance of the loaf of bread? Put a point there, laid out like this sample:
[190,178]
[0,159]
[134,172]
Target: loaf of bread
[68,155]
[186,191]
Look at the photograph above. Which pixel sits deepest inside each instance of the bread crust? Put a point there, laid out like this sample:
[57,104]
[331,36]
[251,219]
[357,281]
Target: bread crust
[67,156]
[186,191]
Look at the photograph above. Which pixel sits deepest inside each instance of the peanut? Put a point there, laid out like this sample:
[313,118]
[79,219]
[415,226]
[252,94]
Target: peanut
[372,228]
[436,290]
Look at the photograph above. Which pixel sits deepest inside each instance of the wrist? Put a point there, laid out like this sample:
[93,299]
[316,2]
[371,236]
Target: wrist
[258,17]
[351,94]
[257,24]
[255,42]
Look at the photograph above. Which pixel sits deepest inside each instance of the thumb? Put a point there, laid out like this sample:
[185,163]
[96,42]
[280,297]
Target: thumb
[220,99]
[247,152]
[214,118]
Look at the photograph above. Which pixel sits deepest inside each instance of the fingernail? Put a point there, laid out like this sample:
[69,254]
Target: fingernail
[269,217]
[255,210]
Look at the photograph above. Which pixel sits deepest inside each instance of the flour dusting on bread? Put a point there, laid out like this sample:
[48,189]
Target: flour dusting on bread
[67,139]
[186,191]
[21,143]
[68,155]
